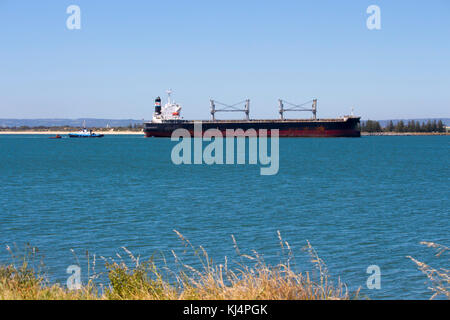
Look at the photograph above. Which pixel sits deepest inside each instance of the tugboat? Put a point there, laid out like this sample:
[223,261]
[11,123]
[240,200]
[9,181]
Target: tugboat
[85,133]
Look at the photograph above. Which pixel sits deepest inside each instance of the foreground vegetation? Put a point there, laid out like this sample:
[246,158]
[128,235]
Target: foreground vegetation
[255,280]
[438,277]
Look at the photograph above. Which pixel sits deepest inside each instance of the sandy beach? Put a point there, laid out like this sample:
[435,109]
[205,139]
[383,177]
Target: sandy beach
[62,133]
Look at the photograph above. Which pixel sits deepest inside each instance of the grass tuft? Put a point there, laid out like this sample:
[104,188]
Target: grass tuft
[252,279]
[439,278]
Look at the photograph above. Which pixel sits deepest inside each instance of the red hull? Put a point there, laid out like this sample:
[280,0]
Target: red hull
[344,127]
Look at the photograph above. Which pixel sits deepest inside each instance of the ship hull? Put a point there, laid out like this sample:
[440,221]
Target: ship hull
[346,127]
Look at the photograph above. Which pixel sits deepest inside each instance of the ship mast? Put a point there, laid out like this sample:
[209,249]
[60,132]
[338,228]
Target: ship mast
[169,92]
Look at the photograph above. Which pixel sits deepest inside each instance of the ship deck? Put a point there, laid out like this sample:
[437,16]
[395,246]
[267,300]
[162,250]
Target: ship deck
[343,119]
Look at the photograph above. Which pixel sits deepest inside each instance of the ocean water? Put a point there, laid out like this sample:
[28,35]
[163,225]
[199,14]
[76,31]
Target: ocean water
[360,202]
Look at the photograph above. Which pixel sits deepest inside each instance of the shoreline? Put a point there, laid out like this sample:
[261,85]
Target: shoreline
[405,133]
[67,132]
[142,133]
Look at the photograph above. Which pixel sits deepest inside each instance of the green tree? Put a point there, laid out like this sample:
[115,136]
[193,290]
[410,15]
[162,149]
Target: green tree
[440,126]
[390,127]
[428,126]
[410,126]
[371,126]
[421,127]
[434,126]
[416,126]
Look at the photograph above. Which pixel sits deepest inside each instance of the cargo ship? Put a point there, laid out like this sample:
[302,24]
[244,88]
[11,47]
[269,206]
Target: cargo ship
[166,119]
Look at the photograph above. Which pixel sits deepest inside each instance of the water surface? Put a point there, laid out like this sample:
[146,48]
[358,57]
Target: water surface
[360,202]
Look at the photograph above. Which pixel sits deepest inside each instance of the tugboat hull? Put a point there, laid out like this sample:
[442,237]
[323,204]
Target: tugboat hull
[86,136]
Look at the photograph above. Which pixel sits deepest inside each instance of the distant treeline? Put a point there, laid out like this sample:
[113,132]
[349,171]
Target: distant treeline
[401,126]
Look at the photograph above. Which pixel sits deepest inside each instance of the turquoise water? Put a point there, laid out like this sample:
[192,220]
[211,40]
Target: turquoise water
[360,202]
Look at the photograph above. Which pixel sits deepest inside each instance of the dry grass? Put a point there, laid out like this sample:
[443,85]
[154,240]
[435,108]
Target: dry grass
[439,278]
[252,279]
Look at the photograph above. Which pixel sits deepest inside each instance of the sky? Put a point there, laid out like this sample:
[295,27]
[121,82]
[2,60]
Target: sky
[128,52]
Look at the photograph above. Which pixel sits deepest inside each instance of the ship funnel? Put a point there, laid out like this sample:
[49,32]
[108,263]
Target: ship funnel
[158,105]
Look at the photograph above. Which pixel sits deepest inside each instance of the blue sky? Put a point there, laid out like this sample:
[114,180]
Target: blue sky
[129,52]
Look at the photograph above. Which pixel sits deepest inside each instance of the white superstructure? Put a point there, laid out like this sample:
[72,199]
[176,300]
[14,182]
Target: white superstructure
[170,111]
